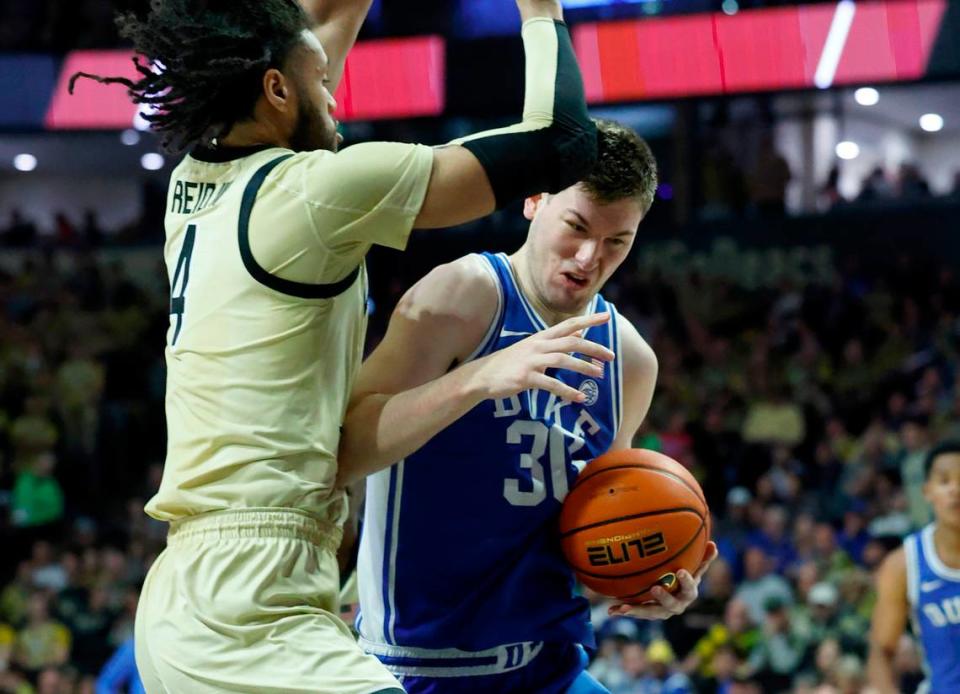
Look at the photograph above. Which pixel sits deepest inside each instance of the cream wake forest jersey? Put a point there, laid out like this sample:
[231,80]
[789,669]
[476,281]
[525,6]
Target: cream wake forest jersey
[264,250]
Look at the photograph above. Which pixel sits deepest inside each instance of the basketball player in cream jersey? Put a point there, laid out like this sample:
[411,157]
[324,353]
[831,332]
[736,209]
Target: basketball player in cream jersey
[267,228]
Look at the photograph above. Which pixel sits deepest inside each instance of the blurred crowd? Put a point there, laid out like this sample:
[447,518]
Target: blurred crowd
[801,388]
[81,431]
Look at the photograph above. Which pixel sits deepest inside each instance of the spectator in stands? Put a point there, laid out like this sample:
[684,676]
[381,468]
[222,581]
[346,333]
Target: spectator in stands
[33,433]
[37,497]
[823,619]
[16,596]
[761,585]
[911,183]
[91,233]
[915,442]
[43,642]
[829,193]
[46,570]
[773,418]
[663,677]
[21,232]
[955,189]
[7,638]
[877,186]
[772,538]
[854,537]
[737,633]
[771,176]
[830,558]
[776,657]
[733,528]
[633,669]
[90,627]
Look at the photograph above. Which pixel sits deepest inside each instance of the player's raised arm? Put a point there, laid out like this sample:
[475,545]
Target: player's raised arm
[551,148]
[889,622]
[336,24]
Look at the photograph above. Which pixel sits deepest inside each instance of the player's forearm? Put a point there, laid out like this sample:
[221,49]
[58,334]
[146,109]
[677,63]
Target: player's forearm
[555,145]
[381,429]
[880,671]
[337,24]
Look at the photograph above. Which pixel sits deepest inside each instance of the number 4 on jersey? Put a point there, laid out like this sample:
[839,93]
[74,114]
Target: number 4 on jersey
[181,276]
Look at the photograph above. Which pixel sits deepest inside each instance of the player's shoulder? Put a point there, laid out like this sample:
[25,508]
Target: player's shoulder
[635,351]
[363,157]
[464,289]
[893,568]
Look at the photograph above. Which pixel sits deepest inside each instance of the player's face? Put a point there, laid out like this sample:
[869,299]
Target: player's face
[942,489]
[576,243]
[315,127]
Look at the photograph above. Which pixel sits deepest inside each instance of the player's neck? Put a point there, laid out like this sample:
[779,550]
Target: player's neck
[251,133]
[946,540]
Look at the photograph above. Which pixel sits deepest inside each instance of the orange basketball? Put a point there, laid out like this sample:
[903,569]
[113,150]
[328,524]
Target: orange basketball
[633,519]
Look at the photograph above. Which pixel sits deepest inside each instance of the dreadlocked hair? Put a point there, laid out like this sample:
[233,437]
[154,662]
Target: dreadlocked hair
[203,62]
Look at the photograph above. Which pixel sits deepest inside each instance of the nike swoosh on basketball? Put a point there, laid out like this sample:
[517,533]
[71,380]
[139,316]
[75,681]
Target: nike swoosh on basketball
[927,586]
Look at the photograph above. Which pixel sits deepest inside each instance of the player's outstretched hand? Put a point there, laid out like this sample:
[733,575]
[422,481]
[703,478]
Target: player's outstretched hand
[523,366]
[668,604]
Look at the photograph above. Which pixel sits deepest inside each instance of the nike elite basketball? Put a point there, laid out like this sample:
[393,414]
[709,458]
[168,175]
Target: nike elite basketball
[631,522]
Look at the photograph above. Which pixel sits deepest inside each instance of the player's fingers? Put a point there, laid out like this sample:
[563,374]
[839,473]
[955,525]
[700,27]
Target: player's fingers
[565,361]
[575,324]
[672,604]
[558,388]
[577,345]
[688,589]
[708,558]
[649,612]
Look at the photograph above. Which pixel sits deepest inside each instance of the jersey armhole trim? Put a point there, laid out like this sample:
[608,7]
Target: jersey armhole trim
[303,290]
[616,368]
[492,332]
[925,539]
[913,569]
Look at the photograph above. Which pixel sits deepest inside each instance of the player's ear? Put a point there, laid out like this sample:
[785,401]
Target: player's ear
[276,89]
[532,204]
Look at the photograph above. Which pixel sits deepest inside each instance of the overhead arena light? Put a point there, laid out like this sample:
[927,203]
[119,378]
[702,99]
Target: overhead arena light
[152,161]
[848,150]
[931,122]
[730,7]
[867,96]
[24,162]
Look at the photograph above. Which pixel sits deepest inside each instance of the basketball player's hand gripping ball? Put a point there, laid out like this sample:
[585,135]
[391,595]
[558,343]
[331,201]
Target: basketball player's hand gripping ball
[636,528]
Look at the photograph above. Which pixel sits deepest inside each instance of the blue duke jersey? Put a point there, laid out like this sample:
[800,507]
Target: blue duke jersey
[460,562]
[933,590]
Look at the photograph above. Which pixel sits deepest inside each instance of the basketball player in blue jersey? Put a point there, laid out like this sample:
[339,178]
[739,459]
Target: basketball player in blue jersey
[500,377]
[921,580]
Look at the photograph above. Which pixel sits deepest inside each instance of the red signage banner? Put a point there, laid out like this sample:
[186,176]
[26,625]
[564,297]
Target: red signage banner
[391,78]
[818,45]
